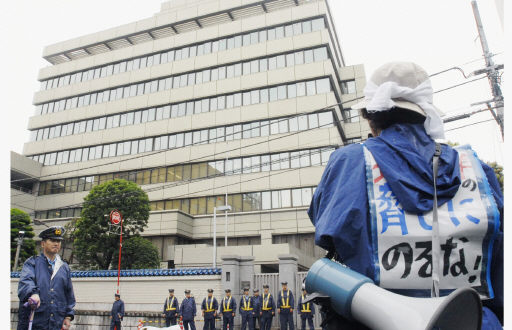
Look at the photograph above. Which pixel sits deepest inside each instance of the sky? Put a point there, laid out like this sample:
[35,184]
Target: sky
[436,34]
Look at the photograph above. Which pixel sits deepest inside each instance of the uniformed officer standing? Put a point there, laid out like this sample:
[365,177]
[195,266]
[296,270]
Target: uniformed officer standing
[228,308]
[171,309]
[246,310]
[46,279]
[306,311]
[188,311]
[257,308]
[268,309]
[285,307]
[209,308]
[117,313]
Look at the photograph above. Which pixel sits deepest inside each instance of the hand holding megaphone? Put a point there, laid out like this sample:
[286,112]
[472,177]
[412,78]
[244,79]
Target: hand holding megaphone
[355,297]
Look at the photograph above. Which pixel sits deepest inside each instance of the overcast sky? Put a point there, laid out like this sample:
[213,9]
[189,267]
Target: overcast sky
[437,34]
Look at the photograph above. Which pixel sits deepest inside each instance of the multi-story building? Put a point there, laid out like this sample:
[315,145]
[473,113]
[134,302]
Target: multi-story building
[205,99]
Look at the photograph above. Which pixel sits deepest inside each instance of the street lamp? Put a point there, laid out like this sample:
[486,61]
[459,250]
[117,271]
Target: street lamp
[21,235]
[225,208]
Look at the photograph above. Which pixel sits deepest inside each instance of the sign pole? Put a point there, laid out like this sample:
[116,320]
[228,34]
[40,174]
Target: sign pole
[117,219]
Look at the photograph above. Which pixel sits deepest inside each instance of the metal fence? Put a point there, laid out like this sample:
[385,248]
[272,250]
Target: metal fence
[272,279]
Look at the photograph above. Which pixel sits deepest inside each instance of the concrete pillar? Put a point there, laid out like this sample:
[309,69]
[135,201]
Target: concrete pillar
[288,270]
[246,272]
[231,273]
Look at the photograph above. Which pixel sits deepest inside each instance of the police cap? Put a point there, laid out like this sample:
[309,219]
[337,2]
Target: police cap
[54,232]
[265,286]
[227,290]
[210,290]
[171,290]
[246,289]
[284,283]
[255,290]
[187,291]
[117,295]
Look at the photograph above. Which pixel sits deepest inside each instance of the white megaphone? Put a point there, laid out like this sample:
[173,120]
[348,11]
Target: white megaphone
[356,297]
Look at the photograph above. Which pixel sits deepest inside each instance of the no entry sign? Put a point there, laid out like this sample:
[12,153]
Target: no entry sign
[115,217]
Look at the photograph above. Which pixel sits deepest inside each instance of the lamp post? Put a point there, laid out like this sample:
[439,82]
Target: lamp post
[220,208]
[21,235]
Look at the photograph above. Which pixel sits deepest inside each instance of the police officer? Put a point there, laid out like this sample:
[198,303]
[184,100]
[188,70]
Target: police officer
[170,309]
[257,308]
[268,309]
[117,313]
[188,311]
[246,310]
[306,311]
[285,307]
[46,280]
[228,308]
[209,308]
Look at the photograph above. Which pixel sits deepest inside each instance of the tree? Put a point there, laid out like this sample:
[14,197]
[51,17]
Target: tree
[498,170]
[20,221]
[94,247]
[138,253]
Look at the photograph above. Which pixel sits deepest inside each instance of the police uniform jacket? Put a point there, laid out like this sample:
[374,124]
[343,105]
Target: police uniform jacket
[257,304]
[55,292]
[188,308]
[302,308]
[171,307]
[285,300]
[267,303]
[207,302]
[117,311]
[228,306]
[249,303]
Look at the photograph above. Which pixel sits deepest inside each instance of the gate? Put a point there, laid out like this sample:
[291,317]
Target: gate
[272,279]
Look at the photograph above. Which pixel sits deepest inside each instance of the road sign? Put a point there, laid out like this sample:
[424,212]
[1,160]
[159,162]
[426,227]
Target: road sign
[115,217]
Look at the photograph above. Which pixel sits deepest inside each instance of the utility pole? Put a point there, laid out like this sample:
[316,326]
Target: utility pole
[491,69]
[21,235]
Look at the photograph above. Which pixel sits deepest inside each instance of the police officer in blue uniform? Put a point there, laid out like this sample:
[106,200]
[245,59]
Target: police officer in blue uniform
[171,309]
[228,310]
[285,304]
[306,311]
[46,279]
[257,308]
[117,313]
[268,309]
[246,310]
[188,311]
[209,308]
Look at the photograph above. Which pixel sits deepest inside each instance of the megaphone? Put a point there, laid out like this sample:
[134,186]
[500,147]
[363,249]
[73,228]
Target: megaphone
[356,297]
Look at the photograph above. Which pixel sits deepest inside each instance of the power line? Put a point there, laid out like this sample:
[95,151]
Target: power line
[198,143]
[478,122]
[463,83]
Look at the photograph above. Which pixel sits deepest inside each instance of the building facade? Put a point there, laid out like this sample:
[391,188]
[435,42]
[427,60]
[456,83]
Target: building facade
[206,99]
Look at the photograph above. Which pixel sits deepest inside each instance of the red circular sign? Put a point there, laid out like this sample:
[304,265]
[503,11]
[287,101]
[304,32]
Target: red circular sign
[115,217]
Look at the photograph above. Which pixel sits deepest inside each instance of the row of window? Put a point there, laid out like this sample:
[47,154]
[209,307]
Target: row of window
[244,202]
[187,172]
[190,107]
[186,52]
[205,136]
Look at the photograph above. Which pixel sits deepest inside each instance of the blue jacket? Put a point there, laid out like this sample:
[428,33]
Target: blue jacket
[204,307]
[117,311]
[291,301]
[56,295]
[311,308]
[232,307]
[188,309]
[175,304]
[257,304]
[404,154]
[250,304]
[270,304]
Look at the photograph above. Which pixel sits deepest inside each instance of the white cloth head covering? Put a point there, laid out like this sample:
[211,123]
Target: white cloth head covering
[405,85]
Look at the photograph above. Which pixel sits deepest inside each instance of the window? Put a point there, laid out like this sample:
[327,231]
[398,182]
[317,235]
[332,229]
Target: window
[310,88]
[325,119]
[290,60]
[323,86]
[313,120]
[348,87]
[320,54]
[317,24]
